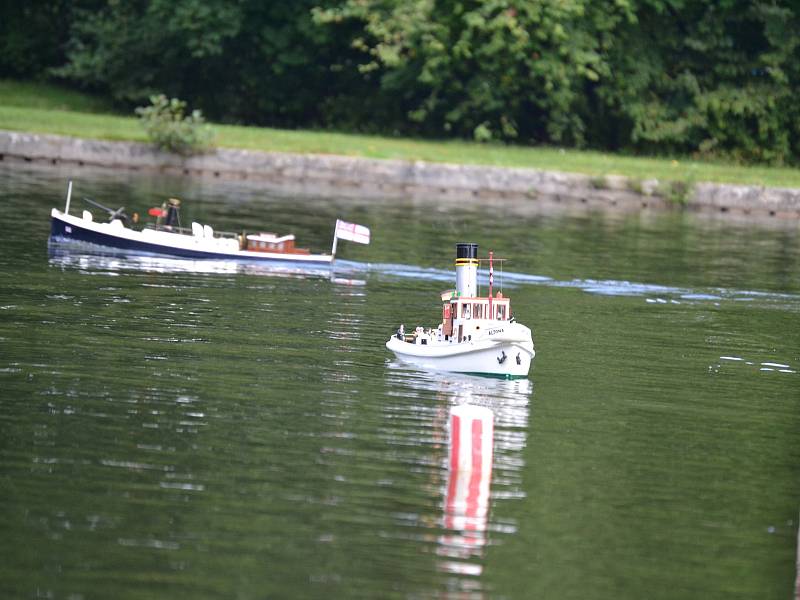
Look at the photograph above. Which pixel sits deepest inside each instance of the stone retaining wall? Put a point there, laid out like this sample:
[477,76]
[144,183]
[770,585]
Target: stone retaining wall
[352,176]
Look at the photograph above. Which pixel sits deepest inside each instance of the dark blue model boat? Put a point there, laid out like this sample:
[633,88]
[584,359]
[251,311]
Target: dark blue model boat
[165,237]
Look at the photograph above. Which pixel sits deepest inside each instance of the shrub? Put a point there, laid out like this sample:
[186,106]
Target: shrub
[599,182]
[677,192]
[171,129]
[636,185]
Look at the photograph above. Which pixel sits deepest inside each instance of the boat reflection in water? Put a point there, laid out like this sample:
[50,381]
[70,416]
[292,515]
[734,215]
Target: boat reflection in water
[483,422]
[90,257]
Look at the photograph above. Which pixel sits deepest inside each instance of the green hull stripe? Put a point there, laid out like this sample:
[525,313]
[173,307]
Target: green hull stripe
[492,375]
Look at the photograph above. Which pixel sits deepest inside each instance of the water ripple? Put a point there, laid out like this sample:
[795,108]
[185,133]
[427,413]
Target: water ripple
[656,293]
[763,367]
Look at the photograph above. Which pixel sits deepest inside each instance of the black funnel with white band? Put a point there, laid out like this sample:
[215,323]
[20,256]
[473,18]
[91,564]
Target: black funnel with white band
[467,269]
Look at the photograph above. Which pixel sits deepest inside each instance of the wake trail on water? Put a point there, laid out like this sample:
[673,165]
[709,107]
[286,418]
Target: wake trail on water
[653,293]
[352,272]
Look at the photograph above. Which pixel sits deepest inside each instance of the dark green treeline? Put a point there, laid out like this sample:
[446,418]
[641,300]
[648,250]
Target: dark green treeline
[704,77]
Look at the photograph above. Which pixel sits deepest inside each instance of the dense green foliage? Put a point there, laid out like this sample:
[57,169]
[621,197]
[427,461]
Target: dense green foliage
[485,69]
[710,78]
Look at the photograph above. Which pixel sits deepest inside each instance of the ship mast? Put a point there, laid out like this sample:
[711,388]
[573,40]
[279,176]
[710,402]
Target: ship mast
[491,280]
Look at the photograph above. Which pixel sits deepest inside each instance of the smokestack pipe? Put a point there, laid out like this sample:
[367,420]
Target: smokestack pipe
[467,269]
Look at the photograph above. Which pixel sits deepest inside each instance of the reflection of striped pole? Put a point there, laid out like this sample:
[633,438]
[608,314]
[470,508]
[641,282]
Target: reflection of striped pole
[471,441]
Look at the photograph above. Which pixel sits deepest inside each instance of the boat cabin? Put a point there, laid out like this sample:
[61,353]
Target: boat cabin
[477,308]
[459,309]
[269,242]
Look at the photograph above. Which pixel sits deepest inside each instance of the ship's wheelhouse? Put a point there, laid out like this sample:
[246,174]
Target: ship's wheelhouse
[465,310]
[494,309]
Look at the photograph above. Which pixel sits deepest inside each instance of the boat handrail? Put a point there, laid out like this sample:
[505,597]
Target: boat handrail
[188,231]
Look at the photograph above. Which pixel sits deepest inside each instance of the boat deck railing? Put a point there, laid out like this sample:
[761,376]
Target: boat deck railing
[188,231]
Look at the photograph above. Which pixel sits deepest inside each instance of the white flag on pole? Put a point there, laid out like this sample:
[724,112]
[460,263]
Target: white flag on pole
[352,232]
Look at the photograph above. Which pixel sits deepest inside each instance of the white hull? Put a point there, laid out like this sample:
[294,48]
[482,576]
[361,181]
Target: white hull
[483,357]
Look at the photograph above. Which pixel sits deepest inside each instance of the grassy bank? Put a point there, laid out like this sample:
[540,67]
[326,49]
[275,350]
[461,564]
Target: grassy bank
[46,109]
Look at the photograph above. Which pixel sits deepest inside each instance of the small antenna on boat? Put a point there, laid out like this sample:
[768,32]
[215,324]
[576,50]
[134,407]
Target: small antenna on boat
[491,279]
[69,197]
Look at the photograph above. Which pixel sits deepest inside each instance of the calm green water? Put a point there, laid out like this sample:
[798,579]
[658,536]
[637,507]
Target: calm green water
[236,433]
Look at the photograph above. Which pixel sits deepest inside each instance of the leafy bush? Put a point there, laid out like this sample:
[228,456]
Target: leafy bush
[171,129]
[677,192]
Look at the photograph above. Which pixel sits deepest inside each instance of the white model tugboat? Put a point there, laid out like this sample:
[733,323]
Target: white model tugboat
[477,334]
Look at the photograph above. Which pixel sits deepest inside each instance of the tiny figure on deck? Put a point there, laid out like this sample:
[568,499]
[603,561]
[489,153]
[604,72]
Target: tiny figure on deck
[401,332]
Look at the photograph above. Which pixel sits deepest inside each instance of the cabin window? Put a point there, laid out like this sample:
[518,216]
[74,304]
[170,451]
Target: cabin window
[465,311]
[445,312]
[501,312]
[477,311]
